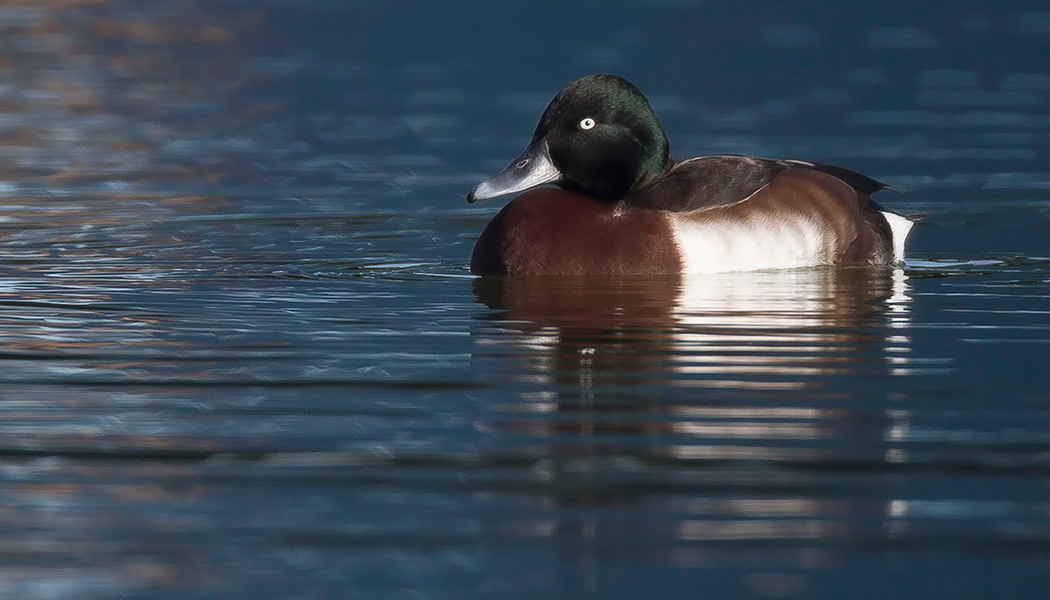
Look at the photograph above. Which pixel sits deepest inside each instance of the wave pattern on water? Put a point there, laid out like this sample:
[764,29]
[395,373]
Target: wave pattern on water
[241,354]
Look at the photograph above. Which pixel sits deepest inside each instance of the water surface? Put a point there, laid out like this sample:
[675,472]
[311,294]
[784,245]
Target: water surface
[242,355]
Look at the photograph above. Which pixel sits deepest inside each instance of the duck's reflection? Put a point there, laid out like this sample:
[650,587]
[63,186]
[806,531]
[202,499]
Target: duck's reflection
[737,331]
[743,389]
[727,366]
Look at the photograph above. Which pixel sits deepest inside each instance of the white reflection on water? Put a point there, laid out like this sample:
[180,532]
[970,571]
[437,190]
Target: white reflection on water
[781,323]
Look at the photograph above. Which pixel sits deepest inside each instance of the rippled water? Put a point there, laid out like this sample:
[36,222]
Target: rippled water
[242,355]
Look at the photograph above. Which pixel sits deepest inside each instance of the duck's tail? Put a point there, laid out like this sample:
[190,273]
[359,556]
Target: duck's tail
[900,227]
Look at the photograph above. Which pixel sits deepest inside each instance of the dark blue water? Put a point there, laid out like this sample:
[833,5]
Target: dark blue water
[241,354]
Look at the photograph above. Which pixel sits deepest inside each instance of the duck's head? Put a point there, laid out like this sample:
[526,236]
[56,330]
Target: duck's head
[598,136]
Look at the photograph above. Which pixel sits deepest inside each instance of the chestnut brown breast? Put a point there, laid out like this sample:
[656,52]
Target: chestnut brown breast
[559,232]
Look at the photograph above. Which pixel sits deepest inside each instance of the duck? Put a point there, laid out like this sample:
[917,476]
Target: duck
[600,194]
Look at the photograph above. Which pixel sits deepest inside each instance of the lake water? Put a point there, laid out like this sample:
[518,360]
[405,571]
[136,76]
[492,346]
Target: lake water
[242,355]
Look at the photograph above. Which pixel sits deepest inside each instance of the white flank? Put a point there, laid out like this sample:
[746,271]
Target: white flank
[899,228]
[750,245]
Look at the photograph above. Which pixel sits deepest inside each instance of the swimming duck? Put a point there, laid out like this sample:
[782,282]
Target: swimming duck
[624,206]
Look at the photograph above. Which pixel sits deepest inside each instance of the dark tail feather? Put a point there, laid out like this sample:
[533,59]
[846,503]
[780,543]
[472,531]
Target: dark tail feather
[858,181]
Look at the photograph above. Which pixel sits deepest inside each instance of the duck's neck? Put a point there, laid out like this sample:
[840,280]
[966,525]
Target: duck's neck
[649,183]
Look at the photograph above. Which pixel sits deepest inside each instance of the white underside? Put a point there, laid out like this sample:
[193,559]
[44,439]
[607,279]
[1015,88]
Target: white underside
[900,226]
[750,245]
[760,242]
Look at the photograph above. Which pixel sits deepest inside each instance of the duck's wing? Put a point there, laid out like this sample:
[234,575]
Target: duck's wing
[804,213]
[722,180]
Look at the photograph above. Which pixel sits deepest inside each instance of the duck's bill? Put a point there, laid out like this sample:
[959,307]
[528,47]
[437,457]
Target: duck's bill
[532,169]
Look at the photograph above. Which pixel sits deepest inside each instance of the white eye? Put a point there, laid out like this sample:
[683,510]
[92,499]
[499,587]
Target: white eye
[587,123]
